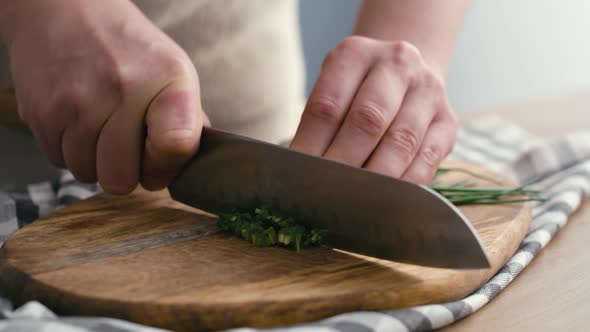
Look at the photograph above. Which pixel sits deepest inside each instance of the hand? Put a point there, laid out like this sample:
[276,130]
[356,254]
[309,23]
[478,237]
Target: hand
[377,104]
[105,93]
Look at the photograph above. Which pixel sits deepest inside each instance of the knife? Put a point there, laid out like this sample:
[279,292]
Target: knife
[363,212]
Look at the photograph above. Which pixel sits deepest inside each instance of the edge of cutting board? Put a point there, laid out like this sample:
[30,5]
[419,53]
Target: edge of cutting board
[107,263]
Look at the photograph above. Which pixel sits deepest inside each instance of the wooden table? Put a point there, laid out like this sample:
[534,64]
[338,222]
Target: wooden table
[553,292]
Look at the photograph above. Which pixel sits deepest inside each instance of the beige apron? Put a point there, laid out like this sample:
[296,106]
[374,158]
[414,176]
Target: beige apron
[248,56]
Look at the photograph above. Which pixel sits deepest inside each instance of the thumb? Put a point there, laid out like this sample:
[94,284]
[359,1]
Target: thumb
[174,122]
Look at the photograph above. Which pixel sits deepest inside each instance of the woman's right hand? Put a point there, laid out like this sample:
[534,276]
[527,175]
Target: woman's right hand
[104,91]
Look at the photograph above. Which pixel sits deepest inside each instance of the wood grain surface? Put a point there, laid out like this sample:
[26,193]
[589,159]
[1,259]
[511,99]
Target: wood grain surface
[148,259]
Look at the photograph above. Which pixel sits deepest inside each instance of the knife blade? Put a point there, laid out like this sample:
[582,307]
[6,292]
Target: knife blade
[362,211]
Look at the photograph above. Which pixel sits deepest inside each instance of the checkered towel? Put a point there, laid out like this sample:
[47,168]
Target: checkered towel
[563,165]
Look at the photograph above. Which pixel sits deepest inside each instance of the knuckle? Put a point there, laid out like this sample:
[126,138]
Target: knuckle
[432,155]
[404,140]
[115,82]
[112,80]
[163,65]
[325,110]
[352,47]
[369,119]
[175,64]
[404,53]
[175,142]
[76,98]
[69,97]
[429,80]
[71,102]
[173,103]
[172,60]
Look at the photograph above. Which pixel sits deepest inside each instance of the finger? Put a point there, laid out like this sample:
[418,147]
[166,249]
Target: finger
[342,73]
[80,138]
[79,150]
[79,145]
[438,143]
[372,111]
[47,127]
[403,138]
[64,108]
[174,123]
[118,150]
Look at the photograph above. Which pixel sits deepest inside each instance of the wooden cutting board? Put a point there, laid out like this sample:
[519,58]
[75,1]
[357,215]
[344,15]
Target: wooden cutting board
[148,259]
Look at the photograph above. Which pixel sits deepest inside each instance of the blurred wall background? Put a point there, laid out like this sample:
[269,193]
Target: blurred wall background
[508,51]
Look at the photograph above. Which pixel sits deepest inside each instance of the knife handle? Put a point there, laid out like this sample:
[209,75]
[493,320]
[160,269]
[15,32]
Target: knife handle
[9,116]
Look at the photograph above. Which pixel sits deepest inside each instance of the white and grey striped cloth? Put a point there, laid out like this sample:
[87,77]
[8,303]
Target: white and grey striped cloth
[562,165]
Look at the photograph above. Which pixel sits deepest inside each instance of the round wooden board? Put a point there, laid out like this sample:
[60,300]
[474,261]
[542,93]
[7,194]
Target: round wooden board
[148,259]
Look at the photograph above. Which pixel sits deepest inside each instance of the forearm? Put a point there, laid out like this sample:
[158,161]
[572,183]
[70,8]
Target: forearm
[432,26]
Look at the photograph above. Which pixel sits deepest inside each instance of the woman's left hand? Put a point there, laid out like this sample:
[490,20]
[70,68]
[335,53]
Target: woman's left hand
[378,105]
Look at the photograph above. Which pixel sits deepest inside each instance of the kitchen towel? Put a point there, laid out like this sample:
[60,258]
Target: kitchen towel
[559,167]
